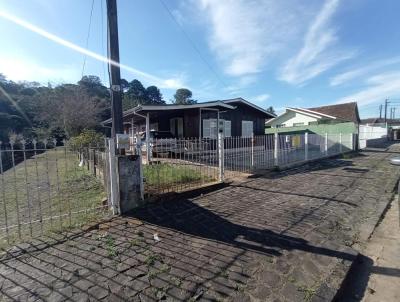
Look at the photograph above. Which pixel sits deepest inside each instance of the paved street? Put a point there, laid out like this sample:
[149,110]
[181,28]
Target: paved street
[283,236]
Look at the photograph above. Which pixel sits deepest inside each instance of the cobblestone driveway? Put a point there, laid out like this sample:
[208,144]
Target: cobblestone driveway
[279,237]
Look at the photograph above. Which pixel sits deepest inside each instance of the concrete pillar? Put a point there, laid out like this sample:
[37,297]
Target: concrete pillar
[129,183]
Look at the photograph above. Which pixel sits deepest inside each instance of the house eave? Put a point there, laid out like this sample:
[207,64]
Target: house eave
[151,108]
[241,100]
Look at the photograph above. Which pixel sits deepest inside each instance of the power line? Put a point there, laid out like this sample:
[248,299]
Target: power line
[192,43]
[87,37]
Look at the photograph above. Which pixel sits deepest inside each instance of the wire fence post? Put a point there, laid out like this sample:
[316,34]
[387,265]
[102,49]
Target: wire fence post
[340,143]
[276,162]
[326,143]
[306,146]
[221,156]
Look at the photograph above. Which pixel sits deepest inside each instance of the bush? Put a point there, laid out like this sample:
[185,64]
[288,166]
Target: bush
[88,138]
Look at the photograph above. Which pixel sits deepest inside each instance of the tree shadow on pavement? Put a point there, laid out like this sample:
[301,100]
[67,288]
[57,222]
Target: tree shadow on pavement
[189,218]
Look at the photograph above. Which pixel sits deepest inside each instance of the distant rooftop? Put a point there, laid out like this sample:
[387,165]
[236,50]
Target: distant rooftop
[345,111]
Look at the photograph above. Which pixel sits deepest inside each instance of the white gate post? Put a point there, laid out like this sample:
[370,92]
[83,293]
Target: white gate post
[148,140]
[138,147]
[252,149]
[340,143]
[306,146]
[326,143]
[221,156]
[276,149]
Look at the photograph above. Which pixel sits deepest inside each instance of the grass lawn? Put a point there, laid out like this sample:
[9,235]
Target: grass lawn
[46,193]
[172,177]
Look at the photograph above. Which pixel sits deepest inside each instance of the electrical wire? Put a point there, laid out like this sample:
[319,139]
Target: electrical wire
[193,44]
[87,37]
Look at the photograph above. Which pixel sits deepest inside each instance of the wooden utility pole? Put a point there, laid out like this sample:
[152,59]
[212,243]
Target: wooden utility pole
[380,111]
[114,70]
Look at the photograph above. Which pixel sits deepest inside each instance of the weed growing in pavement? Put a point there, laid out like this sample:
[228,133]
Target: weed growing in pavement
[308,291]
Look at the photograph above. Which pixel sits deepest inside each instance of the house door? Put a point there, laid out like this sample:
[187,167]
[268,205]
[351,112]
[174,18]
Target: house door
[176,126]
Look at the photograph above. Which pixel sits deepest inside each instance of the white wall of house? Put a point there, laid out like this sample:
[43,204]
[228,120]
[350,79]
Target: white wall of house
[291,119]
[370,135]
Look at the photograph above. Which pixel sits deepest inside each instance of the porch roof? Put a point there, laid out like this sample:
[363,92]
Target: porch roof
[141,110]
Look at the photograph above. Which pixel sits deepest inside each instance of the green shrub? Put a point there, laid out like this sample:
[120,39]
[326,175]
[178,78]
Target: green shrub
[86,139]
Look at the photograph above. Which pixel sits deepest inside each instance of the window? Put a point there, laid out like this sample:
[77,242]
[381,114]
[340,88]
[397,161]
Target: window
[176,126]
[210,128]
[280,126]
[298,124]
[227,128]
[247,128]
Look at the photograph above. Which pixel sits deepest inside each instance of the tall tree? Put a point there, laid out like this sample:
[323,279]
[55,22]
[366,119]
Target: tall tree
[271,109]
[154,95]
[76,109]
[93,86]
[137,91]
[183,96]
[135,95]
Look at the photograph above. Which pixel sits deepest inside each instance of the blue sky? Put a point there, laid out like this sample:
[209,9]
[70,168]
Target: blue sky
[279,53]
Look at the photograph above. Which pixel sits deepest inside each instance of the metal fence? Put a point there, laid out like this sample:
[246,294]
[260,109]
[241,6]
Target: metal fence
[179,164]
[176,165]
[45,187]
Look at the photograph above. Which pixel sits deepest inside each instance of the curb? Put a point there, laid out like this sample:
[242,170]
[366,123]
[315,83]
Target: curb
[330,289]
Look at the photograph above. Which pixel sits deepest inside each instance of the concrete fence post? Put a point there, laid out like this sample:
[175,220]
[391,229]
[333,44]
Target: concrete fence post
[340,143]
[221,156]
[306,146]
[125,180]
[129,182]
[276,146]
[326,143]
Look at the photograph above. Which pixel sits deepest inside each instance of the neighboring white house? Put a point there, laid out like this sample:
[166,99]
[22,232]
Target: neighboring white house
[298,117]
[332,114]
